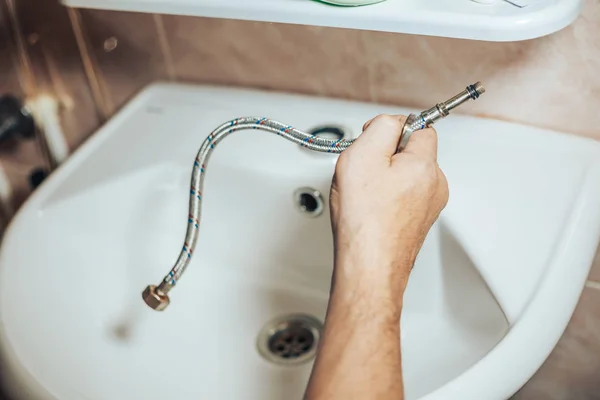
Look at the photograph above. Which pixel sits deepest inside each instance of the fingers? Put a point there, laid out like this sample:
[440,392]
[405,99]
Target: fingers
[423,143]
[382,134]
[366,125]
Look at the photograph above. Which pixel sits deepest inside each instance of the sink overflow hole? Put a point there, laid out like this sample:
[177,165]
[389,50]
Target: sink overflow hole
[309,201]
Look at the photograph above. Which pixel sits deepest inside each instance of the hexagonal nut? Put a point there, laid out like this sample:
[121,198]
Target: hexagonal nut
[155,299]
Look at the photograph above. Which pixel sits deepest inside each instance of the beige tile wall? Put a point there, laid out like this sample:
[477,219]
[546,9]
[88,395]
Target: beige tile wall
[94,61]
[374,66]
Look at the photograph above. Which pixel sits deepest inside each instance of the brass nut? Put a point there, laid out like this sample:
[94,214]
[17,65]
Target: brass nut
[155,299]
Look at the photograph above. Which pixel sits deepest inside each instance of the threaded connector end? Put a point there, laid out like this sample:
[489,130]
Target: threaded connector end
[475,90]
[155,299]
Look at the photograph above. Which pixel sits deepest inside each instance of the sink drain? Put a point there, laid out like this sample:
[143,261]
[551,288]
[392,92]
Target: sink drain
[290,340]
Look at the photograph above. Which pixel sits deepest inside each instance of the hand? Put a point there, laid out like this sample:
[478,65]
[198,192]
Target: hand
[383,205]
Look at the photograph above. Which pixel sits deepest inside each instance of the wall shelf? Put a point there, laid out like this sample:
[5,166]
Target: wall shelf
[465,19]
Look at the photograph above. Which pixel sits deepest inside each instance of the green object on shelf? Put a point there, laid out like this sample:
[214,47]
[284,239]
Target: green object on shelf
[349,3]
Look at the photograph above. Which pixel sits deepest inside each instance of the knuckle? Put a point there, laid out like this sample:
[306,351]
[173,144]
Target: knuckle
[388,120]
[427,178]
[431,129]
[425,169]
[445,189]
[344,156]
[343,162]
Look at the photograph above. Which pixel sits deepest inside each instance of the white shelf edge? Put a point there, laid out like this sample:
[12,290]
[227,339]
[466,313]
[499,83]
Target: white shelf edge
[462,19]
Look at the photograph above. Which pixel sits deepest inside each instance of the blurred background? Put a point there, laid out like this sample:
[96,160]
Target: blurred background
[74,69]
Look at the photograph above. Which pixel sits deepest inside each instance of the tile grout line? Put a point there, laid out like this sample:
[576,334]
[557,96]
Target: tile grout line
[103,104]
[164,46]
[370,78]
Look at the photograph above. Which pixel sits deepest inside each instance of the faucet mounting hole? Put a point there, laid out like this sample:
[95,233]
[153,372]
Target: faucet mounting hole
[333,132]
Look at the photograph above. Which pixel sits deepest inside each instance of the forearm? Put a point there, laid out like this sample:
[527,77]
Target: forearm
[382,204]
[359,357]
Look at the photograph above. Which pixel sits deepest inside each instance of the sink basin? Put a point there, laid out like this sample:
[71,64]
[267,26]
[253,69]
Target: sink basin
[491,292]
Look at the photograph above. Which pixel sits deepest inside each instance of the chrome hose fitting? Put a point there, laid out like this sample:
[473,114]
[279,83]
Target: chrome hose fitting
[437,112]
[157,297]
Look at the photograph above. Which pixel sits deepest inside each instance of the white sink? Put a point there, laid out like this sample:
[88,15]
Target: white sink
[492,290]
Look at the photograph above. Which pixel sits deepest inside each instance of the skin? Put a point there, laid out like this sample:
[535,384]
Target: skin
[383,205]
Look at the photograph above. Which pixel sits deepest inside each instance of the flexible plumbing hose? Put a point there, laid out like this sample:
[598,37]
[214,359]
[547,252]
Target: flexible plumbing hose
[157,297]
[197,182]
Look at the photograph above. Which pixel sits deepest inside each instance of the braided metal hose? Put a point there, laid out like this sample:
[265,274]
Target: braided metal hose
[311,142]
[157,296]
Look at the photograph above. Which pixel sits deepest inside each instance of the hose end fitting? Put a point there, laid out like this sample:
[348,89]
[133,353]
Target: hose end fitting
[437,112]
[155,299]
[475,90]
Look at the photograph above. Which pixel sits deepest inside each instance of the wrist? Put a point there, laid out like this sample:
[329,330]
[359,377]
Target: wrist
[376,285]
[376,247]
[381,264]
[362,301]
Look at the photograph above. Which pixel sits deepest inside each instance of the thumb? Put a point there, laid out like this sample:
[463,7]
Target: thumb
[382,134]
[423,143]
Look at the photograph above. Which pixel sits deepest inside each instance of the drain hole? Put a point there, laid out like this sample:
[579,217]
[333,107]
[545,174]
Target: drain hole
[333,132]
[309,201]
[290,340]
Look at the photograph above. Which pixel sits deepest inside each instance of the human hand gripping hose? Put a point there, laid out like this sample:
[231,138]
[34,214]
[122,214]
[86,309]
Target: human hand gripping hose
[156,297]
